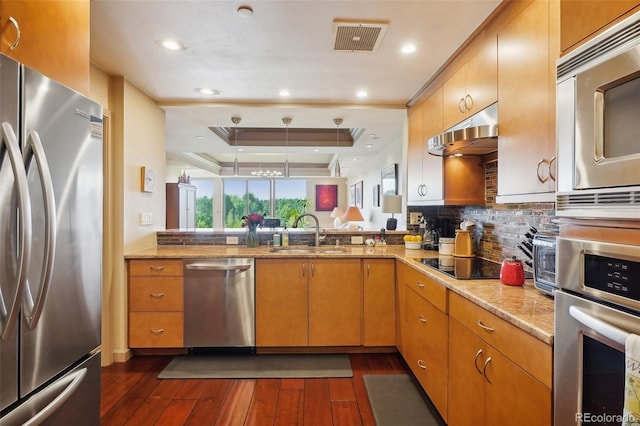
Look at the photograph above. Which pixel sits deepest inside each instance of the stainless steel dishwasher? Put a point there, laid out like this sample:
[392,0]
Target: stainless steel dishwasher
[219,303]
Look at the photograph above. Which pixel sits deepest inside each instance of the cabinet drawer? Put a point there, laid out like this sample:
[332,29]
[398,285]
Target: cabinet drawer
[156,330]
[427,288]
[156,294]
[531,354]
[155,267]
[428,322]
[430,372]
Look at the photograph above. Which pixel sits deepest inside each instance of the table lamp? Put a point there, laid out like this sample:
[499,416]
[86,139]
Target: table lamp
[352,215]
[336,215]
[392,204]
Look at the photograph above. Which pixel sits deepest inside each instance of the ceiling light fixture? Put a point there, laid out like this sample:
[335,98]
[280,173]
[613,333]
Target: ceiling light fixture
[208,91]
[171,44]
[408,48]
[236,166]
[266,173]
[284,93]
[336,170]
[244,11]
[362,94]
[286,121]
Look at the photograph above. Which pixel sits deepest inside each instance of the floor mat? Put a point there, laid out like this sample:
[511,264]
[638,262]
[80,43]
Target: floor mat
[257,366]
[396,400]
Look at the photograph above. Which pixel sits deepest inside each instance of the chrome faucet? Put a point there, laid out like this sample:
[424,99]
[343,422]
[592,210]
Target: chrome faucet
[295,225]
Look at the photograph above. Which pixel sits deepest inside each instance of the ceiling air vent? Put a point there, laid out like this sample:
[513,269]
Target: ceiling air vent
[358,36]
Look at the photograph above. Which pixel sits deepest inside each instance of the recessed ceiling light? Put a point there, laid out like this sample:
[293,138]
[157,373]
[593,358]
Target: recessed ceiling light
[369,145]
[408,48]
[284,93]
[208,91]
[240,149]
[172,44]
[362,94]
[199,137]
[316,150]
[245,11]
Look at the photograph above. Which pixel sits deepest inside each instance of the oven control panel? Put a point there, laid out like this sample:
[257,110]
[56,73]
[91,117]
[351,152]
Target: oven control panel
[611,275]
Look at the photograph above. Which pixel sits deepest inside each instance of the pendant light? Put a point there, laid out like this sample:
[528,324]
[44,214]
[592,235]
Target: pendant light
[336,170]
[286,121]
[236,166]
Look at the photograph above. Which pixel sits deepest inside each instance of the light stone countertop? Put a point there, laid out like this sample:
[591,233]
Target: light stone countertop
[522,306]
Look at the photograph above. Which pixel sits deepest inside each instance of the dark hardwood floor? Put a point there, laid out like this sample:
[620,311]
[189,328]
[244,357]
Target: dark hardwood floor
[132,395]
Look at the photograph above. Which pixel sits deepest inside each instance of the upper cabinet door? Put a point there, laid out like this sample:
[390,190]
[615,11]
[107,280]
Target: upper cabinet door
[50,36]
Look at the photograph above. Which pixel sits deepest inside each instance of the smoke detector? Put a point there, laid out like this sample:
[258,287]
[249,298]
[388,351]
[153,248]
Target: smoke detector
[358,36]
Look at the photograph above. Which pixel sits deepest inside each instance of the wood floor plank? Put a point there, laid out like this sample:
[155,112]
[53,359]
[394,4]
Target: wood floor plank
[191,389]
[236,404]
[345,413]
[341,389]
[263,405]
[153,406]
[210,404]
[290,408]
[317,406]
[363,401]
[292,384]
[176,413]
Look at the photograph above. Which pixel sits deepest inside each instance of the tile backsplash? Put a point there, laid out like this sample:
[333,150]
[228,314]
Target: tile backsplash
[499,227]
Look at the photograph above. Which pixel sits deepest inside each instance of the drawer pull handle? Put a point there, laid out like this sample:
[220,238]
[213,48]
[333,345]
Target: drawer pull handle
[18,34]
[475,361]
[422,319]
[157,268]
[484,369]
[419,284]
[157,330]
[157,295]
[486,328]
[421,364]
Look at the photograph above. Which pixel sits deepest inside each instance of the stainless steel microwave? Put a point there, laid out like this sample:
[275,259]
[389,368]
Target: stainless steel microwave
[598,126]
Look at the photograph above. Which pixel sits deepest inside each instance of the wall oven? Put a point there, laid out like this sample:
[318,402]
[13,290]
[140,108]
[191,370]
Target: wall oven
[598,123]
[597,307]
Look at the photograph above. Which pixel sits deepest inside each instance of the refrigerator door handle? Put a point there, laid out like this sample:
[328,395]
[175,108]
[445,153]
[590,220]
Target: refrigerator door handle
[71,383]
[10,141]
[35,150]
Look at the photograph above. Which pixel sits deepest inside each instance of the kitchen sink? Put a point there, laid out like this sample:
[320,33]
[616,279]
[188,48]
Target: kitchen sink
[303,250]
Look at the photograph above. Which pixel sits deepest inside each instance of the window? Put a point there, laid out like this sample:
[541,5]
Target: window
[204,202]
[283,199]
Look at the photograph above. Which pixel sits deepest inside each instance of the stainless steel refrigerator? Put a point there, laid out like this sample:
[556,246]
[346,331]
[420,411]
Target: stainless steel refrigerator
[50,251]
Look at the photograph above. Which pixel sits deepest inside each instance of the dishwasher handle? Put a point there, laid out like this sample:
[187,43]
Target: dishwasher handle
[217,267]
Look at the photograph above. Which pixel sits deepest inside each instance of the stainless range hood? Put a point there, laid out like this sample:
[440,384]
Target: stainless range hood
[477,135]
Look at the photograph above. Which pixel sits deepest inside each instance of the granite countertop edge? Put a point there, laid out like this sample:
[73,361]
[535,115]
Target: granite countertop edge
[524,306]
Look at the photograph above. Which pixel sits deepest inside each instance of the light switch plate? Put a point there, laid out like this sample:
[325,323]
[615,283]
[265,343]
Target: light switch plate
[232,240]
[146,218]
[357,239]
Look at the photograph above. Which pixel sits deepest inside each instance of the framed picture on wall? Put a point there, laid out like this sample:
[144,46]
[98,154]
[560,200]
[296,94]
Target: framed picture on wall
[326,197]
[389,180]
[359,186]
[376,196]
[352,194]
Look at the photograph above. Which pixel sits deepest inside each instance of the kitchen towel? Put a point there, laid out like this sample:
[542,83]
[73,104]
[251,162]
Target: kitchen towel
[631,414]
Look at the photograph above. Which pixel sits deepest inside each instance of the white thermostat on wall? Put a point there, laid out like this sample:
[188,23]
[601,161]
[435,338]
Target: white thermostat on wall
[148,179]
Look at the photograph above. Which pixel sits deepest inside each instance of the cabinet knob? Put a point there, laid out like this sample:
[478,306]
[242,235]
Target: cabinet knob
[421,364]
[419,284]
[157,330]
[422,319]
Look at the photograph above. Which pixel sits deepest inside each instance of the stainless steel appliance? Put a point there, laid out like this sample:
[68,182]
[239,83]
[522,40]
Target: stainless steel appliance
[598,99]
[219,303]
[597,306]
[465,268]
[50,250]
[544,263]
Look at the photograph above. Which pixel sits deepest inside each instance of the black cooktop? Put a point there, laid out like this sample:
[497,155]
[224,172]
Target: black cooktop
[464,268]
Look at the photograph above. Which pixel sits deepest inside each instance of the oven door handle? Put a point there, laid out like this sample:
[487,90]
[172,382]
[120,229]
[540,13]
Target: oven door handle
[607,330]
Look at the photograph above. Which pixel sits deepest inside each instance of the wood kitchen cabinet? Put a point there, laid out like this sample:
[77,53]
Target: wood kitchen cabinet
[473,87]
[422,323]
[181,206]
[156,303]
[498,374]
[582,20]
[425,171]
[379,306]
[333,303]
[53,38]
[528,48]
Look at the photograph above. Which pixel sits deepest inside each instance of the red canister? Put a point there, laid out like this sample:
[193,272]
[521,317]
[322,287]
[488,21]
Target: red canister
[512,272]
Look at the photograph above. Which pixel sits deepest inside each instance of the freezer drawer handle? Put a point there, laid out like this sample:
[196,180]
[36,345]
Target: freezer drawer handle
[10,141]
[75,380]
[35,150]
